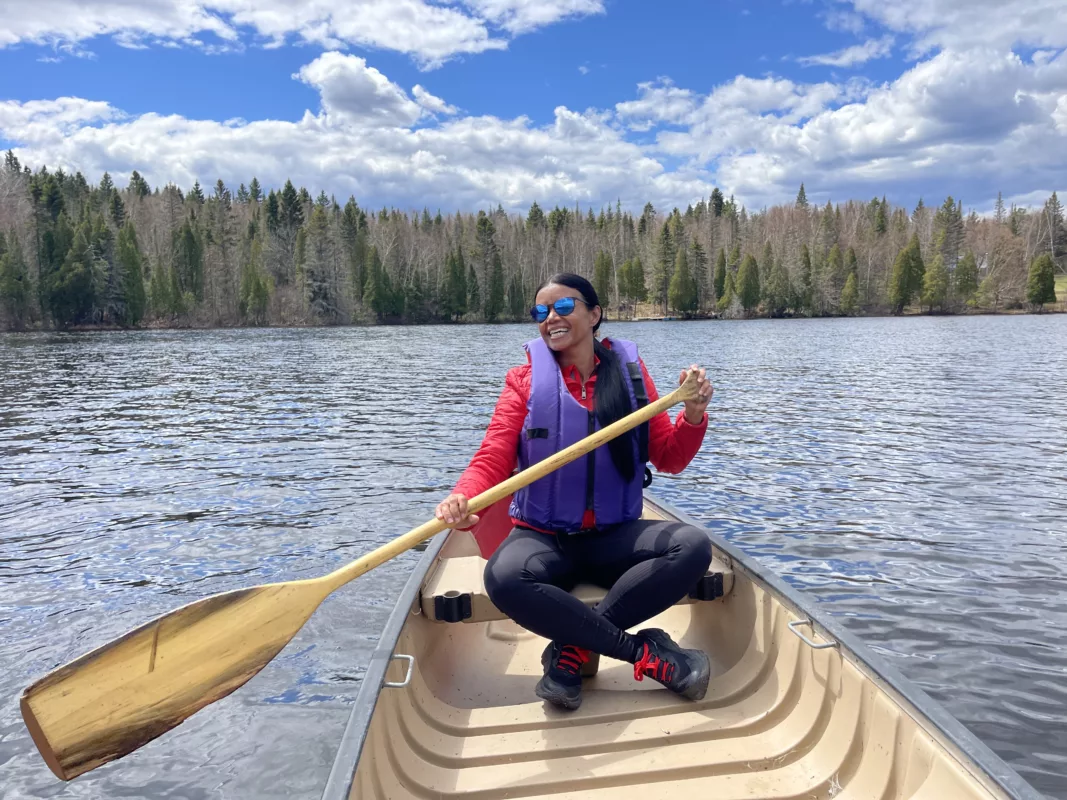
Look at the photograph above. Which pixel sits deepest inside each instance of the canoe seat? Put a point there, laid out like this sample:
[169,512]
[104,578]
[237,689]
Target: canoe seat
[455,592]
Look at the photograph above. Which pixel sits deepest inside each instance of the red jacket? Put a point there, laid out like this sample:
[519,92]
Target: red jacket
[670,446]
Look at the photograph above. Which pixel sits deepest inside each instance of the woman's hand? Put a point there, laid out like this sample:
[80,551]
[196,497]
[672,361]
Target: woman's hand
[694,409]
[453,512]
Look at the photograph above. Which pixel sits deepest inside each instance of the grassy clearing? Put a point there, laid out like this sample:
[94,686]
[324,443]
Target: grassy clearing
[1061,288]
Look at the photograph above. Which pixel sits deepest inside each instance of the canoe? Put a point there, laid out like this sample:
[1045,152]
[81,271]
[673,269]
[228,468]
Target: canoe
[796,707]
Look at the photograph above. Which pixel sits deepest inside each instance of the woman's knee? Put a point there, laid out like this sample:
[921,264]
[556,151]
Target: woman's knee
[504,574]
[694,545]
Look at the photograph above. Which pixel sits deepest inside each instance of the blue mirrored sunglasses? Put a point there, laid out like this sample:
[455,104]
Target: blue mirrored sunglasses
[563,307]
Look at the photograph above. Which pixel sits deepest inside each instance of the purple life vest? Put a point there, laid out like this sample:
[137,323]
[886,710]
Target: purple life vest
[554,421]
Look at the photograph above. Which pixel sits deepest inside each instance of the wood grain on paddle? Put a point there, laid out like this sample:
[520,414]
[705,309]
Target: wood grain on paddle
[128,692]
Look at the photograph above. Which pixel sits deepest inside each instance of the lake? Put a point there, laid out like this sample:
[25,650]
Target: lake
[910,474]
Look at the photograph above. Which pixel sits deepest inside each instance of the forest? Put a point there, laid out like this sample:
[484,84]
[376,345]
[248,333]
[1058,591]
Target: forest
[75,254]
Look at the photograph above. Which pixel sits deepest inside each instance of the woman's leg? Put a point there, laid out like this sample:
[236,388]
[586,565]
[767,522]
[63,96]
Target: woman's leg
[649,566]
[529,578]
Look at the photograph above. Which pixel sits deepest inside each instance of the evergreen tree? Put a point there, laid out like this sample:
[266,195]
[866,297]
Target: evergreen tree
[70,290]
[188,259]
[130,262]
[255,287]
[948,232]
[734,262]
[254,190]
[273,212]
[291,209]
[805,292]
[138,186]
[661,276]
[729,293]
[916,268]
[717,203]
[242,195]
[935,283]
[374,296]
[117,210]
[776,287]
[849,295]
[14,281]
[698,271]
[106,185]
[1041,281]
[602,278]
[1054,231]
[966,276]
[474,294]
[682,293]
[516,298]
[494,301]
[802,198]
[748,283]
[197,194]
[720,275]
[998,214]
[160,297]
[638,289]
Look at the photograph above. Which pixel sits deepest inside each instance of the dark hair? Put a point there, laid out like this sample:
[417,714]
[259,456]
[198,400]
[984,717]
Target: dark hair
[612,397]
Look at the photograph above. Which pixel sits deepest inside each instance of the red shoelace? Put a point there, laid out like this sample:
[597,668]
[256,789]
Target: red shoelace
[572,658]
[653,665]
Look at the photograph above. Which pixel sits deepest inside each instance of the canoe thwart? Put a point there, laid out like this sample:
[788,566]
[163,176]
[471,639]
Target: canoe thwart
[456,590]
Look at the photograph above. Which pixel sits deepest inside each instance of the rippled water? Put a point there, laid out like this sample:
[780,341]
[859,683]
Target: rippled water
[909,473]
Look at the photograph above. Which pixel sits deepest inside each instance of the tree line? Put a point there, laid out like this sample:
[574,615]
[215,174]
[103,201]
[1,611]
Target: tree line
[73,253]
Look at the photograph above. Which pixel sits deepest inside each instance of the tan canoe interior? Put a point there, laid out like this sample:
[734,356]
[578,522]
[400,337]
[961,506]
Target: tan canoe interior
[780,720]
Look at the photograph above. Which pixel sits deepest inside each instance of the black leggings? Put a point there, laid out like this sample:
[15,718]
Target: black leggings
[647,566]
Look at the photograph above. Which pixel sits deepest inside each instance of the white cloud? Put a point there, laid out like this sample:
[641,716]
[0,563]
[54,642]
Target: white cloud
[429,31]
[433,104]
[659,101]
[961,24]
[852,56]
[521,16]
[358,93]
[583,69]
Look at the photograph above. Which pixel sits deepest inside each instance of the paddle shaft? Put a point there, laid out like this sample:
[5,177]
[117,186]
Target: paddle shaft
[687,391]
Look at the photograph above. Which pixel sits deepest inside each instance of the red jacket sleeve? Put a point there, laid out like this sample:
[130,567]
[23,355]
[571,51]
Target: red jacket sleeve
[498,454]
[671,446]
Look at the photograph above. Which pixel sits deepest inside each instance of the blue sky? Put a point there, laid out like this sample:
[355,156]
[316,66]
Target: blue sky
[559,101]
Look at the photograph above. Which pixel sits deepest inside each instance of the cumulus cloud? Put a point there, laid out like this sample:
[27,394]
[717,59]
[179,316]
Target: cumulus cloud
[961,24]
[435,105]
[358,93]
[967,122]
[429,31]
[852,56]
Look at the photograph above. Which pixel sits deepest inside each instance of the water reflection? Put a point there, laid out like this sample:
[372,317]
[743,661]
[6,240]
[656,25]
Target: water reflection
[910,474]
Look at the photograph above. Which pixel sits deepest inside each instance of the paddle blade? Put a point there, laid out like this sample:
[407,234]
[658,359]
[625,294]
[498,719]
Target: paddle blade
[123,695]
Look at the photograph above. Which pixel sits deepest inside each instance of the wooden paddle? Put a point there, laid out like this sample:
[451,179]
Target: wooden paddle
[126,693]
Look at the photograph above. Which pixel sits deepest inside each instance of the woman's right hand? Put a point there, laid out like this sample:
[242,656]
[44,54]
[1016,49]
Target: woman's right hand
[453,512]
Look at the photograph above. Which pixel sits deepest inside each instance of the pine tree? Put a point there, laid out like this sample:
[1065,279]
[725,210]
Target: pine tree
[160,297]
[899,289]
[948,232]
[106,185]
[602,278]
[1041,281]
[188,259]
[729,293]
[1055,234]
[698,271]
[776,287]
[717,203]
[682,294]
[734,262]
[70,290]
[138,185]
[14,281]
[130,261]
[849,295]
[638,288]
[805,291]
[117,210]
[802,198]
[720,275]
[998,214]
[254,191]
[255,287]
[291,209]
[661,276]
[935,283]
[197,194]
[474,294]
[916,268]
[966,277]
[516,298]
[748,283]
[242,195]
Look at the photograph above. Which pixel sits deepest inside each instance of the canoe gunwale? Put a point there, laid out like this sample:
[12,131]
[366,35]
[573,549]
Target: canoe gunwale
[343,772]
[927,712]
[950,730]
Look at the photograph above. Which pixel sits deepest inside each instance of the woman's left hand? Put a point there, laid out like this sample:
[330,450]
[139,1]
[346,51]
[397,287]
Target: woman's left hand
[694,409]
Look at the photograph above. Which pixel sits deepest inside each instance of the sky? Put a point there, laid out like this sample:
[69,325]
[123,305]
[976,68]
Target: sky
[464,104]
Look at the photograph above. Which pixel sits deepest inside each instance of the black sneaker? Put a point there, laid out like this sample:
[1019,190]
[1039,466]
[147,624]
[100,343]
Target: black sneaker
[684,672]
[562,681]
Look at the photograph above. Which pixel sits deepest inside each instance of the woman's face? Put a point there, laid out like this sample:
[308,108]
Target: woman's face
[561,333]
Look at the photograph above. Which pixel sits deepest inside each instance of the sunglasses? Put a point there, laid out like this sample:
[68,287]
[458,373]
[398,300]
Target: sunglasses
[564,306]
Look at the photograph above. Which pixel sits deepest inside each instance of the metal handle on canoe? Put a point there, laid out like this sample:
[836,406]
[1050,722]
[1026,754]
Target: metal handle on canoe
[407,678]
[814,645]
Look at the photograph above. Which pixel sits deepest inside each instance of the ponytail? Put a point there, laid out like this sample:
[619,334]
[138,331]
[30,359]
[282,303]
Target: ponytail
[612,404]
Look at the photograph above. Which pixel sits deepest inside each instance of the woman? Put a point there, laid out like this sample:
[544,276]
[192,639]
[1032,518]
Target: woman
[582,522]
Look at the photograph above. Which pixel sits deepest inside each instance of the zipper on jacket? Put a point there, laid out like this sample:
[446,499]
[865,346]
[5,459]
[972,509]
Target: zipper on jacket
[583,391]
